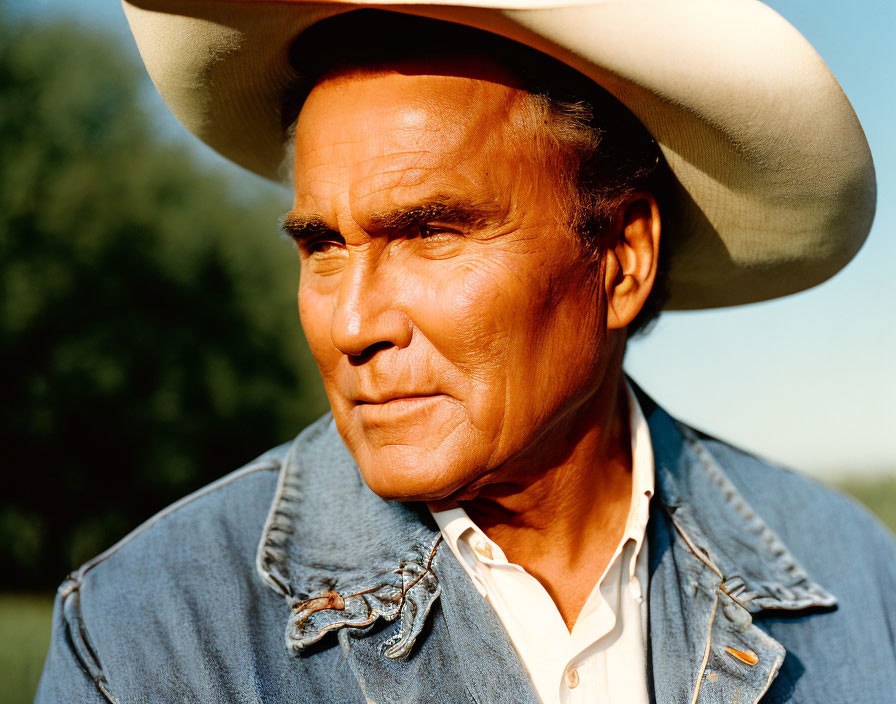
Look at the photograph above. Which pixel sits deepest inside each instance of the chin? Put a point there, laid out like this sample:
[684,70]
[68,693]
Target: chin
[411,473]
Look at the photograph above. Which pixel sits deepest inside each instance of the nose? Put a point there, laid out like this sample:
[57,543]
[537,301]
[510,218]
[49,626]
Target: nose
[365,319]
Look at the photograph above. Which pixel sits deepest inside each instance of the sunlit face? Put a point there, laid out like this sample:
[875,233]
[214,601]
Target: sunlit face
[454,320]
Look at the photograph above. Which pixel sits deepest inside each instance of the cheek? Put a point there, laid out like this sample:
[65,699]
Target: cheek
[526,333]
[474,314]
[566,345]
[466,315]
[315,314]
[494,307]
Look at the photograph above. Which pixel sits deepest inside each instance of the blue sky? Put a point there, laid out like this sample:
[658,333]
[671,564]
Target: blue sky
[808,380]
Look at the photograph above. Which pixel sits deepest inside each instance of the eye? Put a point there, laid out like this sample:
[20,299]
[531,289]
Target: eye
[324,255]
[435,233]
[324,245]
[435,241]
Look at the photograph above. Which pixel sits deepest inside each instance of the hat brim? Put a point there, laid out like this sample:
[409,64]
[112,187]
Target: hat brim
[776,182]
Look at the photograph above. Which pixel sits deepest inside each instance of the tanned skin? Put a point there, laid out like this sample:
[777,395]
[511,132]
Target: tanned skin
[470,347]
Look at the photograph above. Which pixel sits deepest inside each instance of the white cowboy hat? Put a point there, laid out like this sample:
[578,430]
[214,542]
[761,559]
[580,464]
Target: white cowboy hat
[778,188]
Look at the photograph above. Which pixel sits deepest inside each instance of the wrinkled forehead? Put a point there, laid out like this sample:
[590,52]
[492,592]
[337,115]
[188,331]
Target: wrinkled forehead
[411,95]
[386,132]
[415,93]
[430,108]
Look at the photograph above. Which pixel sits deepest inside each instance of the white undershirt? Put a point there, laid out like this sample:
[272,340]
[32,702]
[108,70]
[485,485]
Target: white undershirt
[603,659]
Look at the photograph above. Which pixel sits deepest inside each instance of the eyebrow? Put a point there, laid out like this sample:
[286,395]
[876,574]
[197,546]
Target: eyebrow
[301,227]
[448,210]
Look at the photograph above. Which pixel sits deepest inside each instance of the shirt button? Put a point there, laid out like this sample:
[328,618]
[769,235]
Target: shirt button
[572,677]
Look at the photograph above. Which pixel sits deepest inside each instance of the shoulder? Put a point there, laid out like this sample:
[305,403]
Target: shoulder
[216,524]
[208,521]
[201,545]
[179,584]
[793,501]
[827,530]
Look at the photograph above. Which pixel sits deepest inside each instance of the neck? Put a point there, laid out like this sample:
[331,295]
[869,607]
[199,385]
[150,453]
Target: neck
[561,518]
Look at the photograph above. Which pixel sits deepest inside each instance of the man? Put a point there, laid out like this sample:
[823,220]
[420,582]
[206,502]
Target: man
[493,513]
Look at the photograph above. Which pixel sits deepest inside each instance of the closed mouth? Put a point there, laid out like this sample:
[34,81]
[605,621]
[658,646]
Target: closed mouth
[398,398]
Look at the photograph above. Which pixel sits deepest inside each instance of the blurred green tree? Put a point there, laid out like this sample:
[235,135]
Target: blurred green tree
[149,336]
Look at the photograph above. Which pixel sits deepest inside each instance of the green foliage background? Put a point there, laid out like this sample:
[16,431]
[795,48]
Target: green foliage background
[149,336]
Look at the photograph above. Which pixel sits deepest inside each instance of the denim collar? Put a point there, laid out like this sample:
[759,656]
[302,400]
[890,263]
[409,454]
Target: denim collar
[343,558]
[710,514]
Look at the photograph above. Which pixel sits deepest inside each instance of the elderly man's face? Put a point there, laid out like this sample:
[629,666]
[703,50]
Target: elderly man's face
[451,312]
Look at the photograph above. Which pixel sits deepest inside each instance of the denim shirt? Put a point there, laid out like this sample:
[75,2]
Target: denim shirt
[290,581]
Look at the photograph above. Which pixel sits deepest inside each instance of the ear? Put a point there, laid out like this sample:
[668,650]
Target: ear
[631,258]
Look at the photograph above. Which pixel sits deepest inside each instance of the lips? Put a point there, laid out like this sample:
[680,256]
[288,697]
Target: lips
[386,410]
[381,399]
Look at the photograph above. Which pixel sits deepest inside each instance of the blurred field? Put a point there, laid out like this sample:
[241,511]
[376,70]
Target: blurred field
[877,494]
[25,620]
[24,637]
